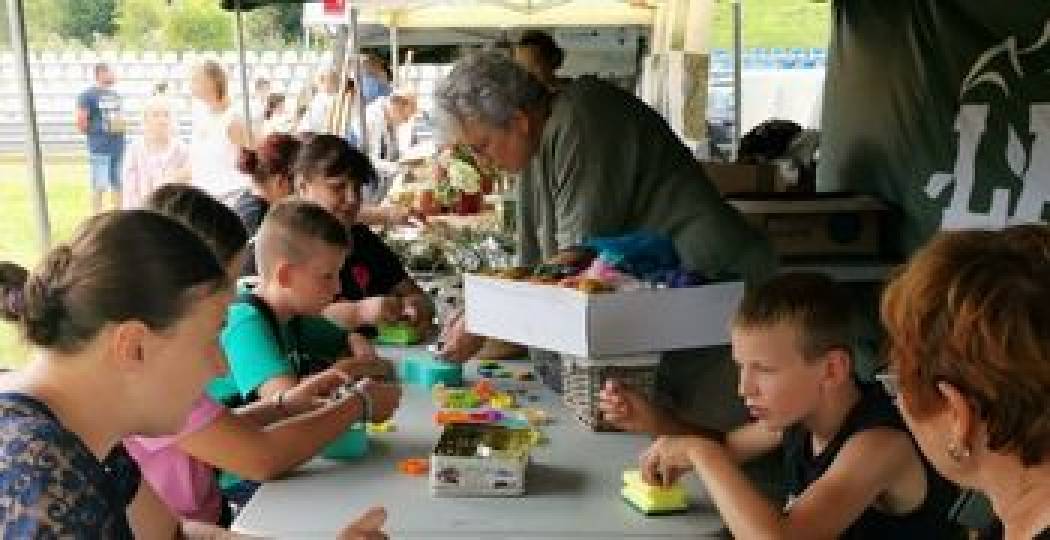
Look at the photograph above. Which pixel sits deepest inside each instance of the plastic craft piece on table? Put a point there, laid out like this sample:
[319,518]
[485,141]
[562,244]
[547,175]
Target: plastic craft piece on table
[489,365]
[400,333]
[443,418]
[457,399]
[524,376]
[350,445]
[537,438]
[427,370]
[502,400]
[537,417]
[382,427]
[468,417]
[652,500]
[414,466]
[484,389]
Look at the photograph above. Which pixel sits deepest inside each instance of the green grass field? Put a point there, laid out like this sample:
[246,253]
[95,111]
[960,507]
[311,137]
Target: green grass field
[69,202]
[774,23]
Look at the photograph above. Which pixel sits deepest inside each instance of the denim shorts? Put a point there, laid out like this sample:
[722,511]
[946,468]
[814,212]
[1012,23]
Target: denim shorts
[105,172]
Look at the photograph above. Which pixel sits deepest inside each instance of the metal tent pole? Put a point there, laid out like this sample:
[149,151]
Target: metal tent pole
[16,19]
[738,51]
[394,53]
[244,74]
[355,50]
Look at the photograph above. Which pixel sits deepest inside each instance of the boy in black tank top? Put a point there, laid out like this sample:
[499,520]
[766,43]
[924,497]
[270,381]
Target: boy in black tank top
[853,469]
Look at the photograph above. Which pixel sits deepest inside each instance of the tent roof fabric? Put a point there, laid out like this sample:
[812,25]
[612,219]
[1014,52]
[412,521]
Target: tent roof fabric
[503,13]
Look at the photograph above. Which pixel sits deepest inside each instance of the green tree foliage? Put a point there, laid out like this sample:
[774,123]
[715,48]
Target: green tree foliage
[140,24]
[44,22]
[198,25]
[273,27]
[5,28]
[84,19]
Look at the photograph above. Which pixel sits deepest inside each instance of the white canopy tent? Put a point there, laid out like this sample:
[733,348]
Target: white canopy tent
[490,13]
[676,23]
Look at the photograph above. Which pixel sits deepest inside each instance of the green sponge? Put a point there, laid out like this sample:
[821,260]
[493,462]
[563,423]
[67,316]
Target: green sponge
[652,500]
[400,333]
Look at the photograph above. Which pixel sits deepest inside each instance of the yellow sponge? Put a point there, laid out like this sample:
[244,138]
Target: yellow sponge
[652,500]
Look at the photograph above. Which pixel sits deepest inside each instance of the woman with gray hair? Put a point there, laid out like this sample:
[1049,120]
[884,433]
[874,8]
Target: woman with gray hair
[594,161]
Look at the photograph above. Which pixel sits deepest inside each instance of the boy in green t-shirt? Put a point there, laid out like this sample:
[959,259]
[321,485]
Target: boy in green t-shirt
[274,335]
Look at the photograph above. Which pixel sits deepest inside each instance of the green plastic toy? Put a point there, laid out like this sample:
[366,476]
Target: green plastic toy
[400,333]
[350,445]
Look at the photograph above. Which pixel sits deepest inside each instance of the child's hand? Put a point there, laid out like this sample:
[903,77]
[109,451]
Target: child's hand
[367,527]
[419,314]
[628,409]
[667,460]
[361,348]
[313,391]
[458,344]
[380,309]
[385,399]
[354,369]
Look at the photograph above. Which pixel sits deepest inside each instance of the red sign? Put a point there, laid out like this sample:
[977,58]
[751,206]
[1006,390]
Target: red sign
[334,7]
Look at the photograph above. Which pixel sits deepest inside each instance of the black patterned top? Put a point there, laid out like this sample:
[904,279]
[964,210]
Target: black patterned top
[51,485]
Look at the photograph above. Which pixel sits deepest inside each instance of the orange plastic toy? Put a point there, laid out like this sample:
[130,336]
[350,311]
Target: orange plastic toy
[414,466]
[484,389]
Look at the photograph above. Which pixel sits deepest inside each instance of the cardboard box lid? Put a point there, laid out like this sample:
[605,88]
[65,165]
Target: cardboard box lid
[623,323]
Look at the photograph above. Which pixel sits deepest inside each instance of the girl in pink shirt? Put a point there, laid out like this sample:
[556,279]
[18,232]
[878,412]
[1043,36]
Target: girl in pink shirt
[259,441]
[156,158]
[187,485]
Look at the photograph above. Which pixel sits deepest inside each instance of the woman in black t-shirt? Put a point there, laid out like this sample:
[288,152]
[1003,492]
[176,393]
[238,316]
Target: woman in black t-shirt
[270,167]
[968,323]
[375,287]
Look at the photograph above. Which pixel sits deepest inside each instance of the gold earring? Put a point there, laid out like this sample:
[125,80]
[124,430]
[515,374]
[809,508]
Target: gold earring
[958,452]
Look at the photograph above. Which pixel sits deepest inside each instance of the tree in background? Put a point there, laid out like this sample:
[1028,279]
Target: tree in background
[140,24]
[197,25]
[273,27]
[84,19]
[5,28]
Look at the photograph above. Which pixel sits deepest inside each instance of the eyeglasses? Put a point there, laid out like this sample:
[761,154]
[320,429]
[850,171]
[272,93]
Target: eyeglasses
[891,382]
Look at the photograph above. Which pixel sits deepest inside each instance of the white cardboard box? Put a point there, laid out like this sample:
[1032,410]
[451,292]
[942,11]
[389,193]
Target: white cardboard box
[571,322]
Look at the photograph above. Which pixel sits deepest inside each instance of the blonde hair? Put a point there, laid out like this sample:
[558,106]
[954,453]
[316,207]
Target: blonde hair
[158,103]
[214,73]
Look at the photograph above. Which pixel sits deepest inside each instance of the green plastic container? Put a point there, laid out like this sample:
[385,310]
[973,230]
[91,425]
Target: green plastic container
[350,445]
[426,371]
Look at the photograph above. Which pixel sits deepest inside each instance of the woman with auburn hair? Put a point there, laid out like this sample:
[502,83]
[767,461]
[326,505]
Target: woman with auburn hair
[969,349]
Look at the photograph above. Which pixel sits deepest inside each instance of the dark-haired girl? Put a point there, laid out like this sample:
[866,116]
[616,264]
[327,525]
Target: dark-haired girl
[123,322]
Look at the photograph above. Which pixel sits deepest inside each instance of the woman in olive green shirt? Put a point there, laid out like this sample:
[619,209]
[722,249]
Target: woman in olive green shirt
[594,161]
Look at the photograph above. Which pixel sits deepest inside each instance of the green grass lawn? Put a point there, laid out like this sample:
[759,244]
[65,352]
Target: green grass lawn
[69,202]
[774,23]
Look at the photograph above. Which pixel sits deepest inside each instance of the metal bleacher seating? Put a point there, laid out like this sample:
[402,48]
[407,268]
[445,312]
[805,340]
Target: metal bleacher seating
[59,76]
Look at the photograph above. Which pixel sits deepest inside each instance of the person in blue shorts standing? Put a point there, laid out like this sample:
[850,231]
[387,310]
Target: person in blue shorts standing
[99,116]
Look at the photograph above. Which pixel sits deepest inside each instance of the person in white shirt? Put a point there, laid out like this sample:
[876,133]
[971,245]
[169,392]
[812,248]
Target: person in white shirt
[218,134]
[317,115]
[390,131]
